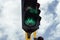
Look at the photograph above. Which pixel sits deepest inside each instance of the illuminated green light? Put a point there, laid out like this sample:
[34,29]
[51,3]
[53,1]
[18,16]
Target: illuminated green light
[30,22]
[33,11]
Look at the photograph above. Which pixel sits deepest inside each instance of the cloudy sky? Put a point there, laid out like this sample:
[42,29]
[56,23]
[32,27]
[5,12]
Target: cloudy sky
[11,17]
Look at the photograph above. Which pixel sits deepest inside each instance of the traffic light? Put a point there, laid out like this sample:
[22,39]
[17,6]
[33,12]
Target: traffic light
[30,16]
[40,38]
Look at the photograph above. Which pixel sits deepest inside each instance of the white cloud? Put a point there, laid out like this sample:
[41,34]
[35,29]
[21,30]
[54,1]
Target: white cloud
[10,19]
[47,20]
[45,1]
[55,33]
[45,23]
[1,34]
[58,9]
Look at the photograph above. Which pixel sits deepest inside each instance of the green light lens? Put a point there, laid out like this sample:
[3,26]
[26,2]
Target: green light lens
[33,11]
[30,22]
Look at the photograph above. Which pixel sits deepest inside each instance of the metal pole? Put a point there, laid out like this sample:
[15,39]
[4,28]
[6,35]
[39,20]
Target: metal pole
[35,35]
[26,35]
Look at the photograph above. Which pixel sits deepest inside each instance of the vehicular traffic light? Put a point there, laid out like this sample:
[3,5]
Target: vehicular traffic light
[30,16]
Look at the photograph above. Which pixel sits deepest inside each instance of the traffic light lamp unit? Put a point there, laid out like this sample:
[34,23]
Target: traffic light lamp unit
[30,16]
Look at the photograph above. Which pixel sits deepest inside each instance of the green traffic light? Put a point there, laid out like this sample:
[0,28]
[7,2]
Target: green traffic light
[30,22]
[31,10]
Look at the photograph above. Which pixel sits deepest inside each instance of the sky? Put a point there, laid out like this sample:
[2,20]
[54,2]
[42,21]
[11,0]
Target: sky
[11,20]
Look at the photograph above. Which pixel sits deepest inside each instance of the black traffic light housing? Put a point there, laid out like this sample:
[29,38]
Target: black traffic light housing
[30,16]
[40,38]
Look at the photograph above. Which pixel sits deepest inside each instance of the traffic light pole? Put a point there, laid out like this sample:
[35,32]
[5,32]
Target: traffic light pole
[26,35]
[35,35]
